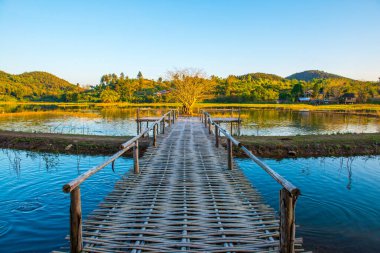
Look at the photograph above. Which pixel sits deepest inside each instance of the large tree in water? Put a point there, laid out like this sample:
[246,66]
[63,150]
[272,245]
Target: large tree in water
[189,86]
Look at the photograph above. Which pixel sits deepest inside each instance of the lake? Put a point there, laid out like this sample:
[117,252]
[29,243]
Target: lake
[120,121]
[34,214]
[337,212]
[339,208]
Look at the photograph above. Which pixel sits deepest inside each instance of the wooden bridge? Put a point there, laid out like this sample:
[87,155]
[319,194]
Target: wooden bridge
[184,195]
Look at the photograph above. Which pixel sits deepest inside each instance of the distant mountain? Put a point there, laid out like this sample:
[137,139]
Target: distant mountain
[314,74]
[35,85]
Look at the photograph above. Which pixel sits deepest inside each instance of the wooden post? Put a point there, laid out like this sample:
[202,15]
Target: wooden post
[239,123]
[163,126]
[76,242]
[205,120]
[137,120]
[231,129]
[154,135]
[287,221]
[229,152]
[209,125]
[170,120]
[216,136]
[136,157]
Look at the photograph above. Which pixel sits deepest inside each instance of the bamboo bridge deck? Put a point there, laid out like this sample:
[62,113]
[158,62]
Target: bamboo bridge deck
[184,199]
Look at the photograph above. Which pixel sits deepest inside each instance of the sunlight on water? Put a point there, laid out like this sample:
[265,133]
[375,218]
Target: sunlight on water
[338,210]
[34,210]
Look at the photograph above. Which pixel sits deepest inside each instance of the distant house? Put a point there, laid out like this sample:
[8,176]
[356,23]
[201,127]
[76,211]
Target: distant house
[162,92]
[304,99]
[348,98]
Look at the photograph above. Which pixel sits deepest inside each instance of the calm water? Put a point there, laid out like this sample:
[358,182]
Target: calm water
[339,210]
[34,212]
[121,121]
[286,122]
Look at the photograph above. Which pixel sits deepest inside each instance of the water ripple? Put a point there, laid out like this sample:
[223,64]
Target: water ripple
[26,206]
[4,227]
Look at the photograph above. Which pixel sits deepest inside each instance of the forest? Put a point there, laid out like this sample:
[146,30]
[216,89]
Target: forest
[248,88]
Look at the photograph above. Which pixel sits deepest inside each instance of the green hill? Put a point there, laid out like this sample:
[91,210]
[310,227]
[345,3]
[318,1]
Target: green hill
[314,74]
[35,85]
[258,75]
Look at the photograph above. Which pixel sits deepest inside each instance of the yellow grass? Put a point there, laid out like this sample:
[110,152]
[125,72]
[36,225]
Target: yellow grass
[53,113]
[373,109]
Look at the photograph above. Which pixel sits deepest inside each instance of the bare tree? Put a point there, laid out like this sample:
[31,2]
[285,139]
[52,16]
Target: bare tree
[189,86]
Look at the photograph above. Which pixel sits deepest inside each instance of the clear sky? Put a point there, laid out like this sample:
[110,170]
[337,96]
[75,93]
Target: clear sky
[81,40]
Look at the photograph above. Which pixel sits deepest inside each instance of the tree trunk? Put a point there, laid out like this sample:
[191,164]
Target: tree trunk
[187,110]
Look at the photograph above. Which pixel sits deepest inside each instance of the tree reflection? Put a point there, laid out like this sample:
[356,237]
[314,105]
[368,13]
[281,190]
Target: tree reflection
[48,161]
[348,166]
[14,158]
[51,161]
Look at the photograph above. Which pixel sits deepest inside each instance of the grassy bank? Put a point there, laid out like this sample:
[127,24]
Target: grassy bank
[312,145]
[368,109]
[65,143]
[269,146]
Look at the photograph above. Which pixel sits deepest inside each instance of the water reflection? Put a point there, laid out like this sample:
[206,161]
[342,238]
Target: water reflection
[113,120]
[346,163]
[47,161]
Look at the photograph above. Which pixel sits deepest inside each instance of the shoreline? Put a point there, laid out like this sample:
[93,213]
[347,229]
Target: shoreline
[262,146]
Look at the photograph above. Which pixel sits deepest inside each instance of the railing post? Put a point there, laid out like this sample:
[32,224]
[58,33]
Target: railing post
[136,157]
[205,120]
[163,126]
[170,120]
[209,125]
[76,242]
[154,135]
[216,136]
[229,152]
[137,120]
[287,221]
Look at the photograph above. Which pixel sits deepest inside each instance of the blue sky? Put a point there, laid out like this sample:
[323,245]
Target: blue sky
[81,40]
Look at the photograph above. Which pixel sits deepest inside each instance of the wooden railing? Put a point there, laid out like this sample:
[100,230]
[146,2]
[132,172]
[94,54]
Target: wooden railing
[76,242]
[288,194]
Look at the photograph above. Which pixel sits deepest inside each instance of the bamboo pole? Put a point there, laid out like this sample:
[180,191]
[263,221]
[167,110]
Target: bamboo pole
[287,221]
[155,135]
[137,120]
[216,136]
[229,152]
[136,157]
[76,242]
